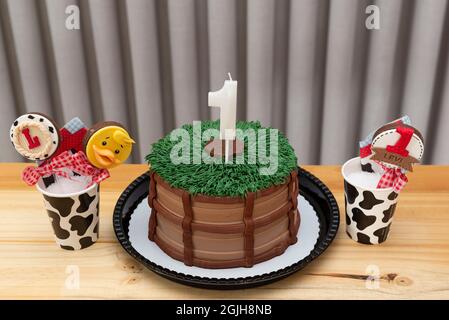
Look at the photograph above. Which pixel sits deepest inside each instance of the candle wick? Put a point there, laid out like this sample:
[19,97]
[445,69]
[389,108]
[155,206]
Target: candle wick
[229,75]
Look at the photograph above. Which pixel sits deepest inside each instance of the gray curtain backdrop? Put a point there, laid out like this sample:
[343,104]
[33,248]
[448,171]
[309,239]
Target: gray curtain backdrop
[307,67]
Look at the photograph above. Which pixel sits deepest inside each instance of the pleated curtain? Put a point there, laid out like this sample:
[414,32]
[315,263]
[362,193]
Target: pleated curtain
[308,67]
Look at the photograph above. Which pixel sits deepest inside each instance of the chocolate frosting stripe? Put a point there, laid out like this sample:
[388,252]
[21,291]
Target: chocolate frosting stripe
[291,226]
[293,187]
[290,186]
[152,193]
[298,223]
[187,229]
[152,223]
[248,232]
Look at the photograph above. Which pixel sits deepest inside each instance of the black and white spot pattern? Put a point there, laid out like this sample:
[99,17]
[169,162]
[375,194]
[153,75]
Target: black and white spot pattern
[74,220]
[368,214]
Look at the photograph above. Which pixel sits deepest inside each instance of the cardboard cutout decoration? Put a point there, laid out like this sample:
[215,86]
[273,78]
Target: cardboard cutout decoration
[35,136]
[391,151]
[398,145]
[366,154]
[107,145]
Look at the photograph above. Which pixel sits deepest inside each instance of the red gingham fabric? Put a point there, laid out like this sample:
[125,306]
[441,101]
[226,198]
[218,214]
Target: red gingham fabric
[76,162]
[392,178]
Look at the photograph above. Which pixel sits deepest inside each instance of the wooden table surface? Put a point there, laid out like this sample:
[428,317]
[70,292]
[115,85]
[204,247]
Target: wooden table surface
[413,263]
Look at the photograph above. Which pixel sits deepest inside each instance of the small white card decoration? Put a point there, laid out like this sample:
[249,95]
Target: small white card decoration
[308,235]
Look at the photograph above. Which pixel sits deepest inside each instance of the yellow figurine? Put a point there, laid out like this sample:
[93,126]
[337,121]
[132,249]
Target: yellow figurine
[107,145]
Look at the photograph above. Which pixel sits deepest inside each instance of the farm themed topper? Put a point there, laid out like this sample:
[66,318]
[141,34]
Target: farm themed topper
[391,151]
[62,164]
[35,136]
[107,145]
[398,145]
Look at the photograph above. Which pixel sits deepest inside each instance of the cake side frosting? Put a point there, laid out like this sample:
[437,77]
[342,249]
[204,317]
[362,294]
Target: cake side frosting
[223,232]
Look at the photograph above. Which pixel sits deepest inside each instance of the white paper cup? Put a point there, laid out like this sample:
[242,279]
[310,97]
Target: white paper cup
[73,216]
[369,211]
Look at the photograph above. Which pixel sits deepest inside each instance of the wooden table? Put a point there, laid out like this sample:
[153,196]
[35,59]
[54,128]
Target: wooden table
[413,263]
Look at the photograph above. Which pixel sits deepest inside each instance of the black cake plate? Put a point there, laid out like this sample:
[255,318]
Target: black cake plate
[311,188]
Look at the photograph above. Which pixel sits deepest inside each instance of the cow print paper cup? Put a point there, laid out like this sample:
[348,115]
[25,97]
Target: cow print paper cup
[74,216]
[369,211]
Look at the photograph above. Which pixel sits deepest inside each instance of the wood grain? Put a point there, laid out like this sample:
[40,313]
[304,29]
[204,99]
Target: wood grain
[413,263]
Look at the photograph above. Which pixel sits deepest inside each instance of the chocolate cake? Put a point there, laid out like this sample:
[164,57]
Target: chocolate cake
[223,215]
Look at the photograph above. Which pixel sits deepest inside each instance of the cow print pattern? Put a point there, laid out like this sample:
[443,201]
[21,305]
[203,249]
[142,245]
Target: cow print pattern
[74,220]
[363,238]
[63,205]
[368,216]
[393,195]
[351,192]
[388,214]
[86,242]
[362,221]
[348,219]
[48,181]
[80,224]
[56,223]
[382,233]
[85,201]
[367,167]
[369,200]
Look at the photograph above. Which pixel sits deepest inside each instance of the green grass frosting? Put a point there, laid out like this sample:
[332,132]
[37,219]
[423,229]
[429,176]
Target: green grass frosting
[222,179]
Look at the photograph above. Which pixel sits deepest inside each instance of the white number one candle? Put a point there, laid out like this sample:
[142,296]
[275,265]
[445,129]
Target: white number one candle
[226,100]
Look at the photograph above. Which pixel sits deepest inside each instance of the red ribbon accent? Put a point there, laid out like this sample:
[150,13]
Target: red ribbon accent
[76,162]
[392,177]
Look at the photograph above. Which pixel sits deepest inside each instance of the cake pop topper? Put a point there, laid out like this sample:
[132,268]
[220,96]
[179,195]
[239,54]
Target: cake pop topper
[107,144]
[35,136]
[397,145]
[391,151]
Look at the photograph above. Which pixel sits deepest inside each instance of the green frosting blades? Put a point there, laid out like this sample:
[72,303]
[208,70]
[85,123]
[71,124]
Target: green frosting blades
[268,166]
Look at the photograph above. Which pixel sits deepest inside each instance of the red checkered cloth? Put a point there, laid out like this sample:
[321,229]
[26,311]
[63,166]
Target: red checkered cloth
[392,177]
[76,162]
